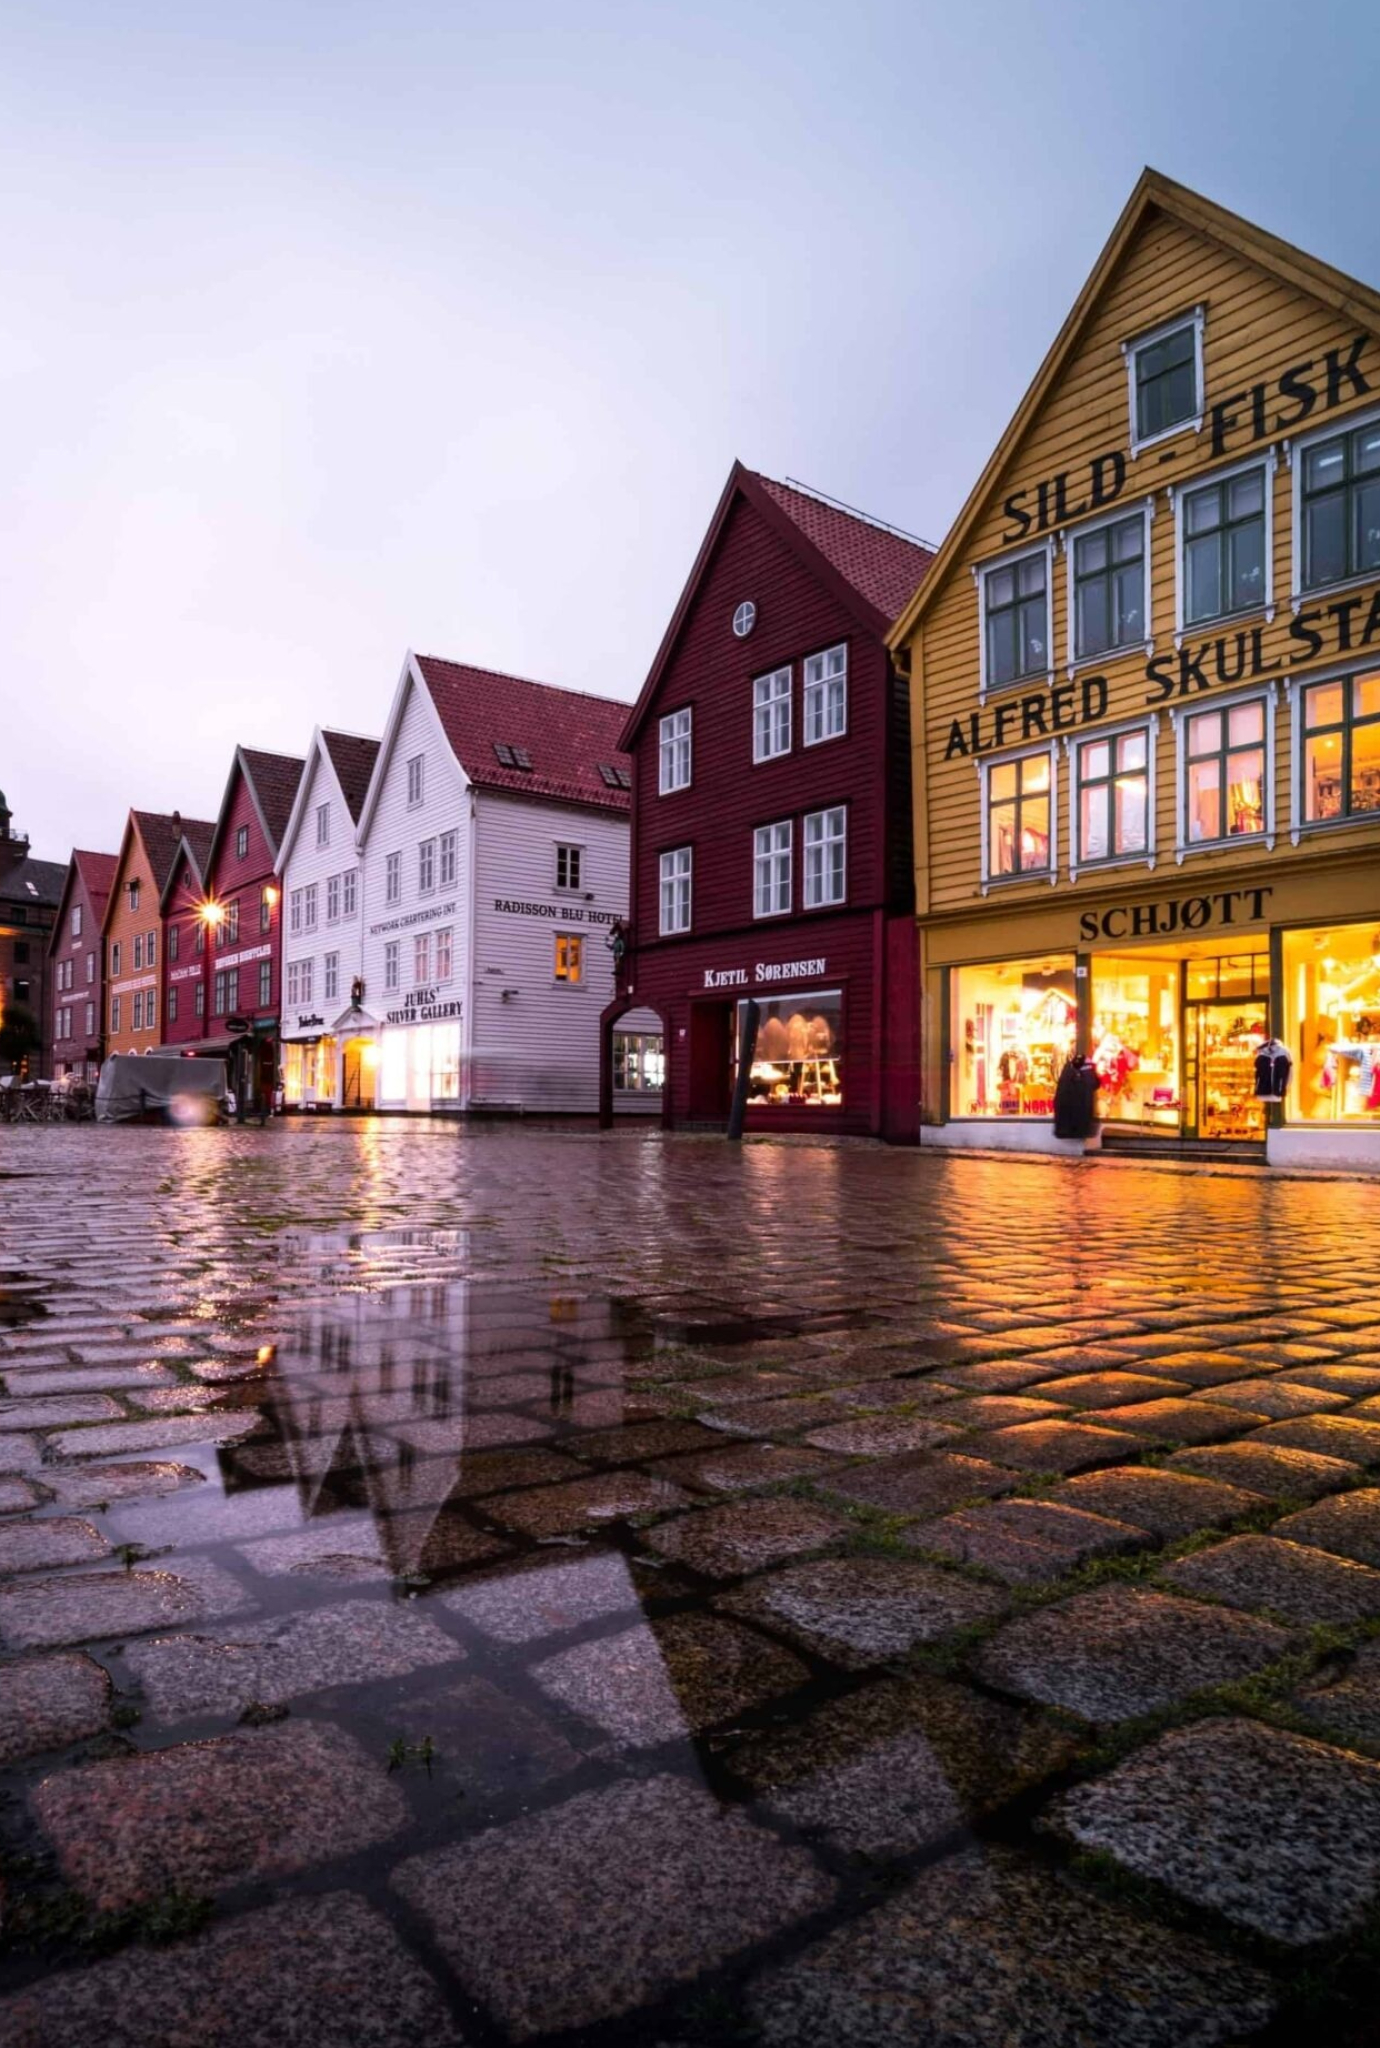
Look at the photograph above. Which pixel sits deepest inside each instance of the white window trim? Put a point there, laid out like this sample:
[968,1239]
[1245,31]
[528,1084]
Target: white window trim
[665,788]
[417,761]
[787,669]
[1149,724]
[564,980]
[765,916]
[664,930]
[840,901]
[1296,448]
[1130,349]
[990,881]
[1075,662]
[1269,462]
[571,846]
[805,687]
[1301,827]
[1006,560]
[1179,714]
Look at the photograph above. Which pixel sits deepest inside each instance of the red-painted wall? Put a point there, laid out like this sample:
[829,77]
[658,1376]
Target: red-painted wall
[184,966]
[241,879]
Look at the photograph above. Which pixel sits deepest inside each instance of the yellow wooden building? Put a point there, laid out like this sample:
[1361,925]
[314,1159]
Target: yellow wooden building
[1145,685]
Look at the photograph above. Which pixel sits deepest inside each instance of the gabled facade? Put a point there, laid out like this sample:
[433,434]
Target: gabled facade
[76,981]
[324,1062]
[1146,685]
[186,994]
[494,862]
[772,824]
[133,931]
[245,947]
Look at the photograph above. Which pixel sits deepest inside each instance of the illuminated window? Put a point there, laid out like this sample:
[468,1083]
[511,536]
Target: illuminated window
[570,958]
[1225,785]
[1340,754]
[1112,796]
[444,953]
[1018,798]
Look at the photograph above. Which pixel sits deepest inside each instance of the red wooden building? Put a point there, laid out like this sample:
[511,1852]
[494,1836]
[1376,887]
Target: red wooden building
[244,963]
[186,937]
[76,969]
[771,836]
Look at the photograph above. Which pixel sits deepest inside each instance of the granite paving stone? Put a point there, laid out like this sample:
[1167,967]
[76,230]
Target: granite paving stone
[881,1435]
[1333,1436]
[1191,1421]
[1119,1651]
[281,1977]
[574,1915]
[733,1468]
[58,1411]
[544,1599]
[47,1702]
[1166,1505]
[1209,1368]
[484,1742]
[983,1950]
[22,1383]
[1026,1542]
[1341,1700]
[1274,1470]
[922,1482]
[992,1411]
[660,1682]
[584,1503]
[1347,1524]
[19,1453]
[55,1540]
[745,1536]
[997,1376]
[642,1441]
[1057,1446]
[1276,1399]
[96,1486]
[1275,1831]
[1281,1578]
[260,1803]
[858,1611]
[42,1613]
[1353,1379]
[101,1440]
[271,1662]
[18,1495]
[773,1418]
[1106,1389]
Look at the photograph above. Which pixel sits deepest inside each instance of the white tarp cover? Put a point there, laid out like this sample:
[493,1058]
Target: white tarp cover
[142,1084]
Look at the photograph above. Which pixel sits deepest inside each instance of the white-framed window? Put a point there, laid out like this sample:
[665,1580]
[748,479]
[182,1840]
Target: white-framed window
[230,923]
[76,920]
[771,870]
[332,899]
[134,894]
[391,958]
[151,949]
[675,890]
[1225,770]
[392,878]
[415,781]
[771,715]
[115,956]
[445,952]
[1015,593]
[91,1016]
[744,618]
[674,731]
[90,968]
[826,857]
[138,1021]
[138,951]
[295,911]
[294,983]
[265,983]
[349,892]
[1112,796]
[1019,835]
[1109,585]
[1336,751]
[421,959]
[242,843]
[826,695]
[568,865]
[1337,506]
[224,991]
[449,842]
[570,959]
[309,904]
[114,1013]
[323,824]
[330,977]
[1164,379]
[1224,546]
[199,1002]
[426,867]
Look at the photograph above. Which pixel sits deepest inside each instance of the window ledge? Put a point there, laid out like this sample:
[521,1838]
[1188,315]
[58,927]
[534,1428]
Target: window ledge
[1149,859]
[1037,679]
[1321,826]
[1108,656]
[1191,628]
[1188,426]
[1048,876]
[1186,852]
[1368,578]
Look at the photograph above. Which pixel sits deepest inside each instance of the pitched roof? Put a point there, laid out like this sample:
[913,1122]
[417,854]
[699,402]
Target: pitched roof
[884,567]
[198,833]
[161,832]
[97,871]
[352,758]
[566,734]
[1154,193]
[274,779]
[33,881]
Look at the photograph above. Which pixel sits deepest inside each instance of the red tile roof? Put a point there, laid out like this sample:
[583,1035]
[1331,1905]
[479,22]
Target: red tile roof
[161,832]
[884,567]
[352,758]
[566,733]
[198,833]
[97,871]
[275,778]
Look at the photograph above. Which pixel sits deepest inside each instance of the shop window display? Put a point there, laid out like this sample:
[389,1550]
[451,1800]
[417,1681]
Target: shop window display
[1332,1023]
[1135,1041]
[799,1056]
[639,1062]
[1014,1025]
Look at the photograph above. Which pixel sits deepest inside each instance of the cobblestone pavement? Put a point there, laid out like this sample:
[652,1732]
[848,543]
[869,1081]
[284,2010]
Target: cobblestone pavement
[497,1586]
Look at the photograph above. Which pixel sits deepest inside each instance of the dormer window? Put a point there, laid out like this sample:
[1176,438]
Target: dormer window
[513,757]
[134,895]
[1165,375]
[613,776]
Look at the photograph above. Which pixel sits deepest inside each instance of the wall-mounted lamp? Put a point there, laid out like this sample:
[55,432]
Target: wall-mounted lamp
[211,914]
[506,995]
[270,895]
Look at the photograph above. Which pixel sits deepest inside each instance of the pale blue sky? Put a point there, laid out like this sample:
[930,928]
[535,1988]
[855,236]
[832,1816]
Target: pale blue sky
[330,330]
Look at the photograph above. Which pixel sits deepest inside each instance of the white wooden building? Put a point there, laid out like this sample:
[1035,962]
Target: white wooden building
[494,855]
[328,1043]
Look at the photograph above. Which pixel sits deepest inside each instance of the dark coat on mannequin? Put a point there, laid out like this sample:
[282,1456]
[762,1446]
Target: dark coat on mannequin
[1075,1099]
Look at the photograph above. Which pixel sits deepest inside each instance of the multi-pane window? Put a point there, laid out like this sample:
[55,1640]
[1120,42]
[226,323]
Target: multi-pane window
[392,878]
[1340,507]
[421,959]
[306,981]
[221,1005]
[825,857]
[230,924]
[675,890]
[294,982]
[266,982]
[1109,587]
[330,976]
[444,953]
[826,695]
[349,882]
[138,951]
[570,958]
[449,841]
[200,1003]
[76,920]
[426,867]
[568,867]
[1112,796]
[172,1005]
[1223,538]
[151,949]
[391,956]
[1224,773]
[199,942]
[1015,600]
[134,894]
[114,1013]
[1019,797]
[174,942]
[137,1022]
[674,734]
[332,899]
[91,1018]
[295,911]
[115,956]
[266,908]
[1164,381]
[323,824]
[1341,749]
[309,907]
[414,781]
[771,715]
[242,843]
[90,968]
[771,870]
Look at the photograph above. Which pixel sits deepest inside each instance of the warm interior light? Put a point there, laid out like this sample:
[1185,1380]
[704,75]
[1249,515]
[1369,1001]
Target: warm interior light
[370,1056]
[270,895]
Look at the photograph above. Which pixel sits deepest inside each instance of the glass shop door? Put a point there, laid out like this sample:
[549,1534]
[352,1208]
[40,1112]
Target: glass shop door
[1221,1041]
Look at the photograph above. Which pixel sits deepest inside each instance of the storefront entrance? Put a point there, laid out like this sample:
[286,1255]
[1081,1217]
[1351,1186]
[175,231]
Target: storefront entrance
[1219,1071]
[1174,1037]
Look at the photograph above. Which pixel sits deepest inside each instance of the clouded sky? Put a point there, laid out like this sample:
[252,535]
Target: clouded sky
[329,330]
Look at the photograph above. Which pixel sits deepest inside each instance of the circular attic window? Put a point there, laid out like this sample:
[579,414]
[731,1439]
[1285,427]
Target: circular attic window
[745,618]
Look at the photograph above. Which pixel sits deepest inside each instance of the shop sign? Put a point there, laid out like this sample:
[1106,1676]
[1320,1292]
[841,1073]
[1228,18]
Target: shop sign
[186,973]
[398,924]
[568,913]
[419,1006]
[121,988]
[307,1023]
[1180,914]
[223,960]
[763,971]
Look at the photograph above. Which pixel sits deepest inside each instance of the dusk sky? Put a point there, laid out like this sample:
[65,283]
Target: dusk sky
[331,331]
